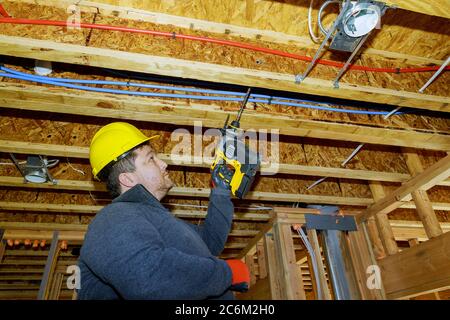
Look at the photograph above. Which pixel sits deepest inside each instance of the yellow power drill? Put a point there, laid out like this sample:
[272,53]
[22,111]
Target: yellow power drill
[237,163]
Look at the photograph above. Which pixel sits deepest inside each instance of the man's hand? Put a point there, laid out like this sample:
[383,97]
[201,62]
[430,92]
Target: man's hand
[217,181]
[241,275]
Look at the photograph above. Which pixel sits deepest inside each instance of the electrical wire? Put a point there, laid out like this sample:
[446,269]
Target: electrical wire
[314,38]
[319,15]
[13,74]
[75,169]
[312,255]
[230,43]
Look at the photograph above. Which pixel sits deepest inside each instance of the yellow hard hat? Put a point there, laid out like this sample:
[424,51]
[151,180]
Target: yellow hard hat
[112,142]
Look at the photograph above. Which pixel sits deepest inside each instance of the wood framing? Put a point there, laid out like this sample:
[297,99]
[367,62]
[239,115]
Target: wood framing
[36,98]
[119,60]
[50,265]
[382,221]
[420,197]
[417,270]
[424,181]
[194,161]
[363,260]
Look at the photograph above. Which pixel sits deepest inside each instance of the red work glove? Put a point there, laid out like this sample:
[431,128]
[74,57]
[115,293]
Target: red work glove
[241,275]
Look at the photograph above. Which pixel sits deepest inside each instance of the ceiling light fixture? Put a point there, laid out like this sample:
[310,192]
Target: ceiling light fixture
[36,169]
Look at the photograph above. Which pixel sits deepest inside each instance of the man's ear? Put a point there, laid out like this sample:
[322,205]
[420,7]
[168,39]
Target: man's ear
[127,179]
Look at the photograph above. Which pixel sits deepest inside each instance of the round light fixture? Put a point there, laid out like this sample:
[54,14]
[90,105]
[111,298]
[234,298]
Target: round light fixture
[361,19]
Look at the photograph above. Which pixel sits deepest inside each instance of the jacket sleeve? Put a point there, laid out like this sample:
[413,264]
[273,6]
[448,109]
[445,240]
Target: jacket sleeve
[133,259]
[216,227]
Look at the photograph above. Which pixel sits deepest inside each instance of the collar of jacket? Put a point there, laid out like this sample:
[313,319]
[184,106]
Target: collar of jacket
[139,194]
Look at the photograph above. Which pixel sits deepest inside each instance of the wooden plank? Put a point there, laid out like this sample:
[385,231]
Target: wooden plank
[37,98]
[420,197]
[262,263]
[250,32]
[437,8]
[377,245]
[204,162]
[362,257]
[290,277]
[424,181]
[260,291]
[250,262]
[382,221]
[313,239]
[83,152]
[49,268]
[421,269]
[272,266]
[106,58]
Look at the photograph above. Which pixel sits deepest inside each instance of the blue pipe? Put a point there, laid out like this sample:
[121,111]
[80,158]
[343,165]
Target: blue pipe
[64,83]
[150,86]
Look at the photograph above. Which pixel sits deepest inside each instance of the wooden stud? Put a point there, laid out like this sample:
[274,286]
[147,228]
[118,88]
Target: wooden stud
[420,197]
[382,221]
[377,245]
[249,261]
[262,263]
[291,279]
[49,268]
[362,257]
[313,239]
[272,266]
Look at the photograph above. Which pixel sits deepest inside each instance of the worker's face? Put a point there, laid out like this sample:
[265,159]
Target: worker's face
[150,172]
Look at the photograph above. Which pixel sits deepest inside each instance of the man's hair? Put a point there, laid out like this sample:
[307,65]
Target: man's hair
[126,164]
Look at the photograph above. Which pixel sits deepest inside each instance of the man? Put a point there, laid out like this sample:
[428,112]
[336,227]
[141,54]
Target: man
[135,248]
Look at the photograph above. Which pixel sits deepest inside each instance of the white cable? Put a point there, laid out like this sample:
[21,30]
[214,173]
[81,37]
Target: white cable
[10,163]
[312,254]
[314,38]
[77,170]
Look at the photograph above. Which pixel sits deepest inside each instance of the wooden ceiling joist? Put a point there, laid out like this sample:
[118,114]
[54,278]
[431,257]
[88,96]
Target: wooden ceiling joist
[119,60]
[179,192]
[423,181]
[36,98]
[23,147]
[253,32]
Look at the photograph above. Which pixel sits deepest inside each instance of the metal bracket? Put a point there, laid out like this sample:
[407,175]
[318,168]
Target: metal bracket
[330,222]
[299,78]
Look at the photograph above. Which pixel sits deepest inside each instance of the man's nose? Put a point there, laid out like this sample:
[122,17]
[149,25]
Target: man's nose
[162,164]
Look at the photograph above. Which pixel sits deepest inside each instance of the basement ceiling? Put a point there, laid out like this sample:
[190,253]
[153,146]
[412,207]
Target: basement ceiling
[59,122]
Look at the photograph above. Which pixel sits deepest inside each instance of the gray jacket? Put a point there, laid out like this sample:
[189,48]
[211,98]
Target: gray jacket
[136,249]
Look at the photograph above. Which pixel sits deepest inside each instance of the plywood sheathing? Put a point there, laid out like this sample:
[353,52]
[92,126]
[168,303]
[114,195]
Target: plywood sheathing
[206,52]
[290,17]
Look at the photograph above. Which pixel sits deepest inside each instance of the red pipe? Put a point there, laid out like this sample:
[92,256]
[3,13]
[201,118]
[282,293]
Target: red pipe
[217,41]
[3,12]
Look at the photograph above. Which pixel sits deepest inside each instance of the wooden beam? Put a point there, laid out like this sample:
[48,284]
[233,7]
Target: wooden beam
[49,269]
[420,197]
[417,270]
[424,181]
[251,32]
[430,7]
[362,258]
[382,221]
[287,271]
[204,193]
[106,58]
[375,240]
[38,98]
[83,153]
